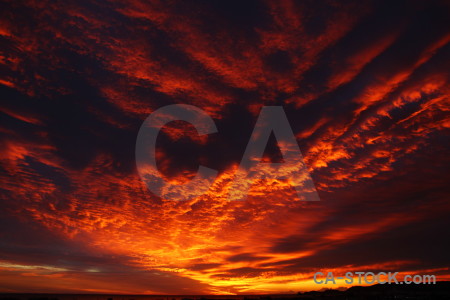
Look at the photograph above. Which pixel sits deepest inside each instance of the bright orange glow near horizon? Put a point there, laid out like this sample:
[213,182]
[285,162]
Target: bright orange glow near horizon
[365,86]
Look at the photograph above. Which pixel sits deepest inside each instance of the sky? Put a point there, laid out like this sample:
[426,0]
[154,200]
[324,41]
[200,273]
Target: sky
[365,87]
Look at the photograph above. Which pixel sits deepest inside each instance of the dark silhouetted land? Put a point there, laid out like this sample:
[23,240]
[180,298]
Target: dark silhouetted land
[441,290]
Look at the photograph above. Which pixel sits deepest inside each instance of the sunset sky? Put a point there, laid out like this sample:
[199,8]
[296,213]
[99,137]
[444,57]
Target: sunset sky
[365,87]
